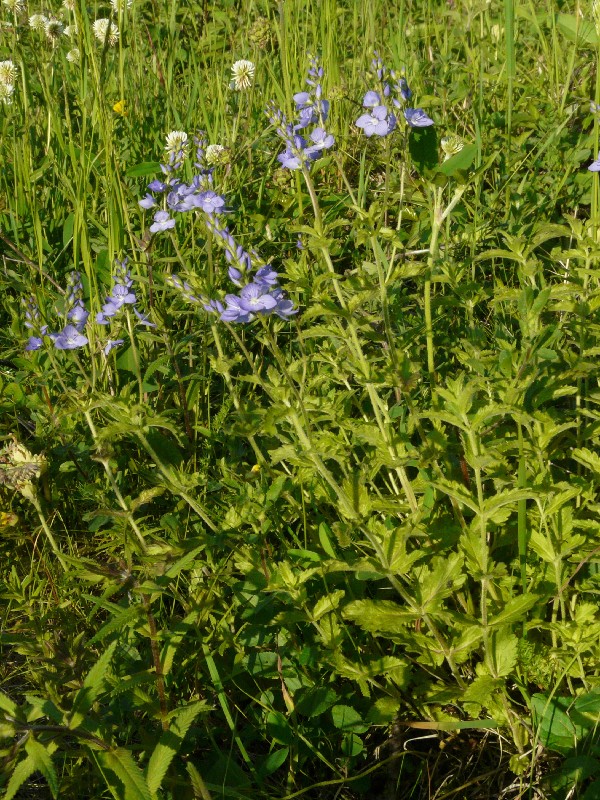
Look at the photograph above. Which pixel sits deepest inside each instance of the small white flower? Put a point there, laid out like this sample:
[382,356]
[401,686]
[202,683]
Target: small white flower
[16,6]
[6,93]
[54,29]
[69,5]
[104,27]
[37,22]
[8,72]
[73,56]
[120,5]
[71,30]
[216,154]
[243,75]
[176,141]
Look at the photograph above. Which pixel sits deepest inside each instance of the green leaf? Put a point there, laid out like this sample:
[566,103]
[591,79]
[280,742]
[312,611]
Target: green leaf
[588,458]
[169,744]
[273,761]
[378,615]
[423,148]
[325,537]
[577,29]
[346,718]
[555,729]
[43,763]
[461,161]
[142,169]
[327,603]
[93,686]
[514,611]
[20,774]
[480,691]
[6,704]
[118,623]
[279,728]
[503,652]
[123,777]
[313,702]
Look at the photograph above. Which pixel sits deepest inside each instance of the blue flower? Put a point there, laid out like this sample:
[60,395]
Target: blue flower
[595,165]
[147,202]
[162,222]
[69,339]
[143,318]
[371,99]
[255,297]
[33,343]
[417,118]
[112,343]
[234,311]
[210,202]
[321,141]
[78,315]
[379,122]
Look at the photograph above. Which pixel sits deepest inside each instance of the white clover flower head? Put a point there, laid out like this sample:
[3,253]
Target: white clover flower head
[451,145]
[242,75]
[69,5]
[37,22]
[120,5]
[71,30]
[54,29]
[8,72]
[6,92]
[104,28]
[176,141]
[216,155]
[73,56]
[16,6]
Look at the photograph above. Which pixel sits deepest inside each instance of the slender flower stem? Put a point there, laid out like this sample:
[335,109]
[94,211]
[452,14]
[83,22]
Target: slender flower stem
[33,498]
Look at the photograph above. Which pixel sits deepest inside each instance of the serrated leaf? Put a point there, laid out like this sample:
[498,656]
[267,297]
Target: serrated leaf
[588,458]
[378,615]
[117,623]
[327,603]
[6,704]
[43,763]
[514,611]
[123,777]
[346,718]
[480,691]
[20,774]
[93,685]
[503,652]
[169,744]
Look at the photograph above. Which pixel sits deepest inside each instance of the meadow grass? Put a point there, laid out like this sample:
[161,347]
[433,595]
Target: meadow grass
[308,505]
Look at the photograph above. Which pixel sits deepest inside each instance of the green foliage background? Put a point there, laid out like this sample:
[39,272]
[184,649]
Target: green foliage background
[264,560]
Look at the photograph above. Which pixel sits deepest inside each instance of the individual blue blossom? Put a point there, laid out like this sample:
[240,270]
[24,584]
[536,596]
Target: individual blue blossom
[147,202]
[234,311]
[78,315]
[69,339]
[111,344]
[371,99]
[158,186]
[403,89]
[213,306]
[417,118]
[266,276]
[321,140]
[34,343]
[255,297]
[162,222]
[144,319]
[595,165]
[379,122]
[210,202]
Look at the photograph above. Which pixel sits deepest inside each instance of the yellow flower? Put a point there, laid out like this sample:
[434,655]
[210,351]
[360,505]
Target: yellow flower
[119,108]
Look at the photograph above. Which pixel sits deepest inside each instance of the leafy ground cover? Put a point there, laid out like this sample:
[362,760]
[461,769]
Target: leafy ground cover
[299,400]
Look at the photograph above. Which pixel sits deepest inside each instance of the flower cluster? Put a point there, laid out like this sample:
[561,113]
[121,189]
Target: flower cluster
[242,75]
[8,76]
[312,109]
[72,336]
[121,295]
[18,467]
[393,93]
[105,30]
[178,196]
